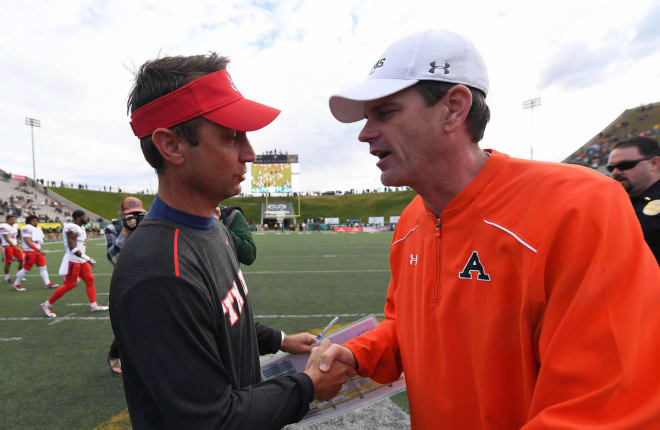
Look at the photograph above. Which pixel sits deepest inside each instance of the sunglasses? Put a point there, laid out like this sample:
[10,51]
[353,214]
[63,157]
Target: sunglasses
[135,215]
[625,165]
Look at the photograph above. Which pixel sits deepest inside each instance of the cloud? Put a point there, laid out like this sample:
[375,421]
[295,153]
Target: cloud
[580,64]
[576,65]
[66,64]
[647,36]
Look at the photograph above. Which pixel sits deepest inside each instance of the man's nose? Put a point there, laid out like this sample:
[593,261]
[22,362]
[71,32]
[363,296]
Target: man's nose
[367,133]
[247,152]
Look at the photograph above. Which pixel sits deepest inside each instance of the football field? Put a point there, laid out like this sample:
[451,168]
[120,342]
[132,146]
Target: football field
[54,373]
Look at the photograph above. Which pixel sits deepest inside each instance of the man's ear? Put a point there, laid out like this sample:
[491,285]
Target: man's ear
[169,145]
[656,162]
[458,101]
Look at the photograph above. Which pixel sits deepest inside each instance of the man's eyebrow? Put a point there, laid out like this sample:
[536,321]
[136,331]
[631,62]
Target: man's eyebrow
[383,106]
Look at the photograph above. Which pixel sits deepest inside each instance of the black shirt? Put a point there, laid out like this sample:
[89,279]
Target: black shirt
[189,346]
[650,223]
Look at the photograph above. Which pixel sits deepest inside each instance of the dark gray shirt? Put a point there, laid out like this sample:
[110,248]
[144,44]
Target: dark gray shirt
[189,346]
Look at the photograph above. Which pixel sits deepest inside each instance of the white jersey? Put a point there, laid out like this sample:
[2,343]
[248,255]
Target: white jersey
[34,233]
[11,231]
[81,242]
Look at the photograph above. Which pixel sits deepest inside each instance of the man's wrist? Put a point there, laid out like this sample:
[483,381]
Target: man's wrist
[356,364]
[282,341]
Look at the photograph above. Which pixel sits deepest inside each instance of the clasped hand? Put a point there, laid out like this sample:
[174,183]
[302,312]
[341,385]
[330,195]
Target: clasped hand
[327,371]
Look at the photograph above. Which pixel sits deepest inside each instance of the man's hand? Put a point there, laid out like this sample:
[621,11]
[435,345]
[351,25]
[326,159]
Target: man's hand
[92,262]
[299,343]
[338,353]
[326,384]
[125,232]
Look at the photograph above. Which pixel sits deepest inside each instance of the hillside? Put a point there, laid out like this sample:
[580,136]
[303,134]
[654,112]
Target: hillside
[352,205]
[640,121]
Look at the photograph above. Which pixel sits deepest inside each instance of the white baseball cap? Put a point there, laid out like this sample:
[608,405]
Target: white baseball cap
[433,55]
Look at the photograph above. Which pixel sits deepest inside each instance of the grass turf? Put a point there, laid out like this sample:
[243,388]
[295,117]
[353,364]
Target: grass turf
[56,376]
[360,206]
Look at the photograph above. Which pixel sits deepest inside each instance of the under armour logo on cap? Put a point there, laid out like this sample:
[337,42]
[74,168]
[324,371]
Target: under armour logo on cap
[430,55]
[433,67]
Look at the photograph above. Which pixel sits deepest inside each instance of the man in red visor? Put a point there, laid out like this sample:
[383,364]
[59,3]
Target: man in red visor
[179,304]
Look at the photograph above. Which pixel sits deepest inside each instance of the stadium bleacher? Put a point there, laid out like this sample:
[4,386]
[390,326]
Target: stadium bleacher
[640,121]
[23,197]
[23,200]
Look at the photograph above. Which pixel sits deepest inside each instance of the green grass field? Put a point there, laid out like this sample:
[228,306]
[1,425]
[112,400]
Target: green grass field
[361,206]
[55,375]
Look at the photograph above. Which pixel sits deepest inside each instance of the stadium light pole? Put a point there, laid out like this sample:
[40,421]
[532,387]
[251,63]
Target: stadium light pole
[32,122]
[531,104]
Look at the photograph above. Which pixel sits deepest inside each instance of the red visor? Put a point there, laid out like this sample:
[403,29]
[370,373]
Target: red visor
[213,97]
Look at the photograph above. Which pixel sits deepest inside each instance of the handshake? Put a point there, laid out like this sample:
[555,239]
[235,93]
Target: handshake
[329,366]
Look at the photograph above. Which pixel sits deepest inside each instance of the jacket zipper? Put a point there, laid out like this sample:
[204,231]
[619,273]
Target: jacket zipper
[436,297]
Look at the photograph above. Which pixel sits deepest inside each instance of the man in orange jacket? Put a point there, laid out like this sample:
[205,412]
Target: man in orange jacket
[522,293]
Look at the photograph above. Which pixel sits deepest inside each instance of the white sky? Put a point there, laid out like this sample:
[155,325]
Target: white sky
[69,64]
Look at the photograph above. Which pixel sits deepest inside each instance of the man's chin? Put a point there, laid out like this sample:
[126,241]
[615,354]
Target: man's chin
[626,185]
[232,191]
[390,180]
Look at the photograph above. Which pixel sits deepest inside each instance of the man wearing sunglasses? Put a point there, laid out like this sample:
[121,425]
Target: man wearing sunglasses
[116,233]
[119,230]
[635,163]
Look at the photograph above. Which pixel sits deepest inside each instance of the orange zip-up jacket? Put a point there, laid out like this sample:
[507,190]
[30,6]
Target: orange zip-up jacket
[533,303]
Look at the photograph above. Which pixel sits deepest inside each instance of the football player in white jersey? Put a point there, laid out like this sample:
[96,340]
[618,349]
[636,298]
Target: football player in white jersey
[10,248]
[31,239]
[75,263]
